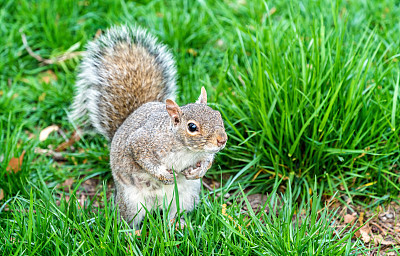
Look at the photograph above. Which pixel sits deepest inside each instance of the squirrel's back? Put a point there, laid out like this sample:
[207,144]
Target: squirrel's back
[122,70]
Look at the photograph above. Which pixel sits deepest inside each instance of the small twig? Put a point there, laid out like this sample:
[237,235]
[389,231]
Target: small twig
[76,136]
[330,202]
[61,58]
[49,152]
[393,234]
[380,228]
[62,133]
[389,228]
[34,55]
[207,186]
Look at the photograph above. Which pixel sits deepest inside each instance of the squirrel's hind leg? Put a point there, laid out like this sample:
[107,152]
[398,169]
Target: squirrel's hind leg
[130,203]
[188,192]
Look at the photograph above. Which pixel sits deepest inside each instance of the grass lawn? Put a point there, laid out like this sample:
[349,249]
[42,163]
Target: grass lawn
[309,92]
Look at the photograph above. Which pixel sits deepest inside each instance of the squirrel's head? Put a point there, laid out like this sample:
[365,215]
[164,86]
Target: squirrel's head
[199,127]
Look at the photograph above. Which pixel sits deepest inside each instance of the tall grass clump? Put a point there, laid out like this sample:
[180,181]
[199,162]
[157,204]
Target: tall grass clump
[44,224]
[314,100]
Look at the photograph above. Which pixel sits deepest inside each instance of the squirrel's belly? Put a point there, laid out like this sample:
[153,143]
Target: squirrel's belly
[181,160]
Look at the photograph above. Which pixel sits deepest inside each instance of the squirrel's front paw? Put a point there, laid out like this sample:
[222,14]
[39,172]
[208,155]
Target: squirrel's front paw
[193,173]
[167,177]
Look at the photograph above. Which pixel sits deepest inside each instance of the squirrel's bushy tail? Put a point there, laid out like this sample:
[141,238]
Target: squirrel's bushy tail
[121,70]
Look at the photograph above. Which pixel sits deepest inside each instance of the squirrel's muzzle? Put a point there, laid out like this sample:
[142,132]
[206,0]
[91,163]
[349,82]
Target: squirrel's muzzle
[221,139]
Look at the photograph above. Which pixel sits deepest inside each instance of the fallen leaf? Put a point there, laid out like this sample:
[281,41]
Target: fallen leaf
[15,163]
[378,239]
[364,232]
[256,201]
[361,218]
[68,183]
[48,76]
[42,97]
[192,52]
[272,11]
[46,132]
[1,194]
[74,138]
[349,218]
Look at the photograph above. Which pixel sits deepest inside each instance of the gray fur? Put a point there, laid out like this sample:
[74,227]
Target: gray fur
[91,81]
[148,146]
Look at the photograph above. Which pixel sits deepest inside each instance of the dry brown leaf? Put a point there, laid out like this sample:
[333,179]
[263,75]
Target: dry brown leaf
[48,76]
[74,138]
[15,163]
[378,239]
[272,11]
[364,232]
[192,52]
[349,218]
[44,134]
[361,218]
[42,97]
[256,201]
[68,183]
[1,194]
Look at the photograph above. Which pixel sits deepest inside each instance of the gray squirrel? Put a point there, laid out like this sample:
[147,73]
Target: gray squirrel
[126,90]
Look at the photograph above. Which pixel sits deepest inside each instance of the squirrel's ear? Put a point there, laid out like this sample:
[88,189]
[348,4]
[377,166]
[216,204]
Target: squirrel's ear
[174,111]
[203,96]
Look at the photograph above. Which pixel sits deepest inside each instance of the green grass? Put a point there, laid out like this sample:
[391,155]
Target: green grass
[308,91]
[36,225]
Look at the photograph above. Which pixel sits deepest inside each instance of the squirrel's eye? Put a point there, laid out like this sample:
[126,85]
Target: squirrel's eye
[192,127]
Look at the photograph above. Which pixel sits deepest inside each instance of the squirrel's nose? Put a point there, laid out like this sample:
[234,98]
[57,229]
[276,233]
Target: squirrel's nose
[221,139]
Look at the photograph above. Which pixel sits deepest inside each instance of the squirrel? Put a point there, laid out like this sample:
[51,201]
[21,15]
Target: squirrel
[125,89]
